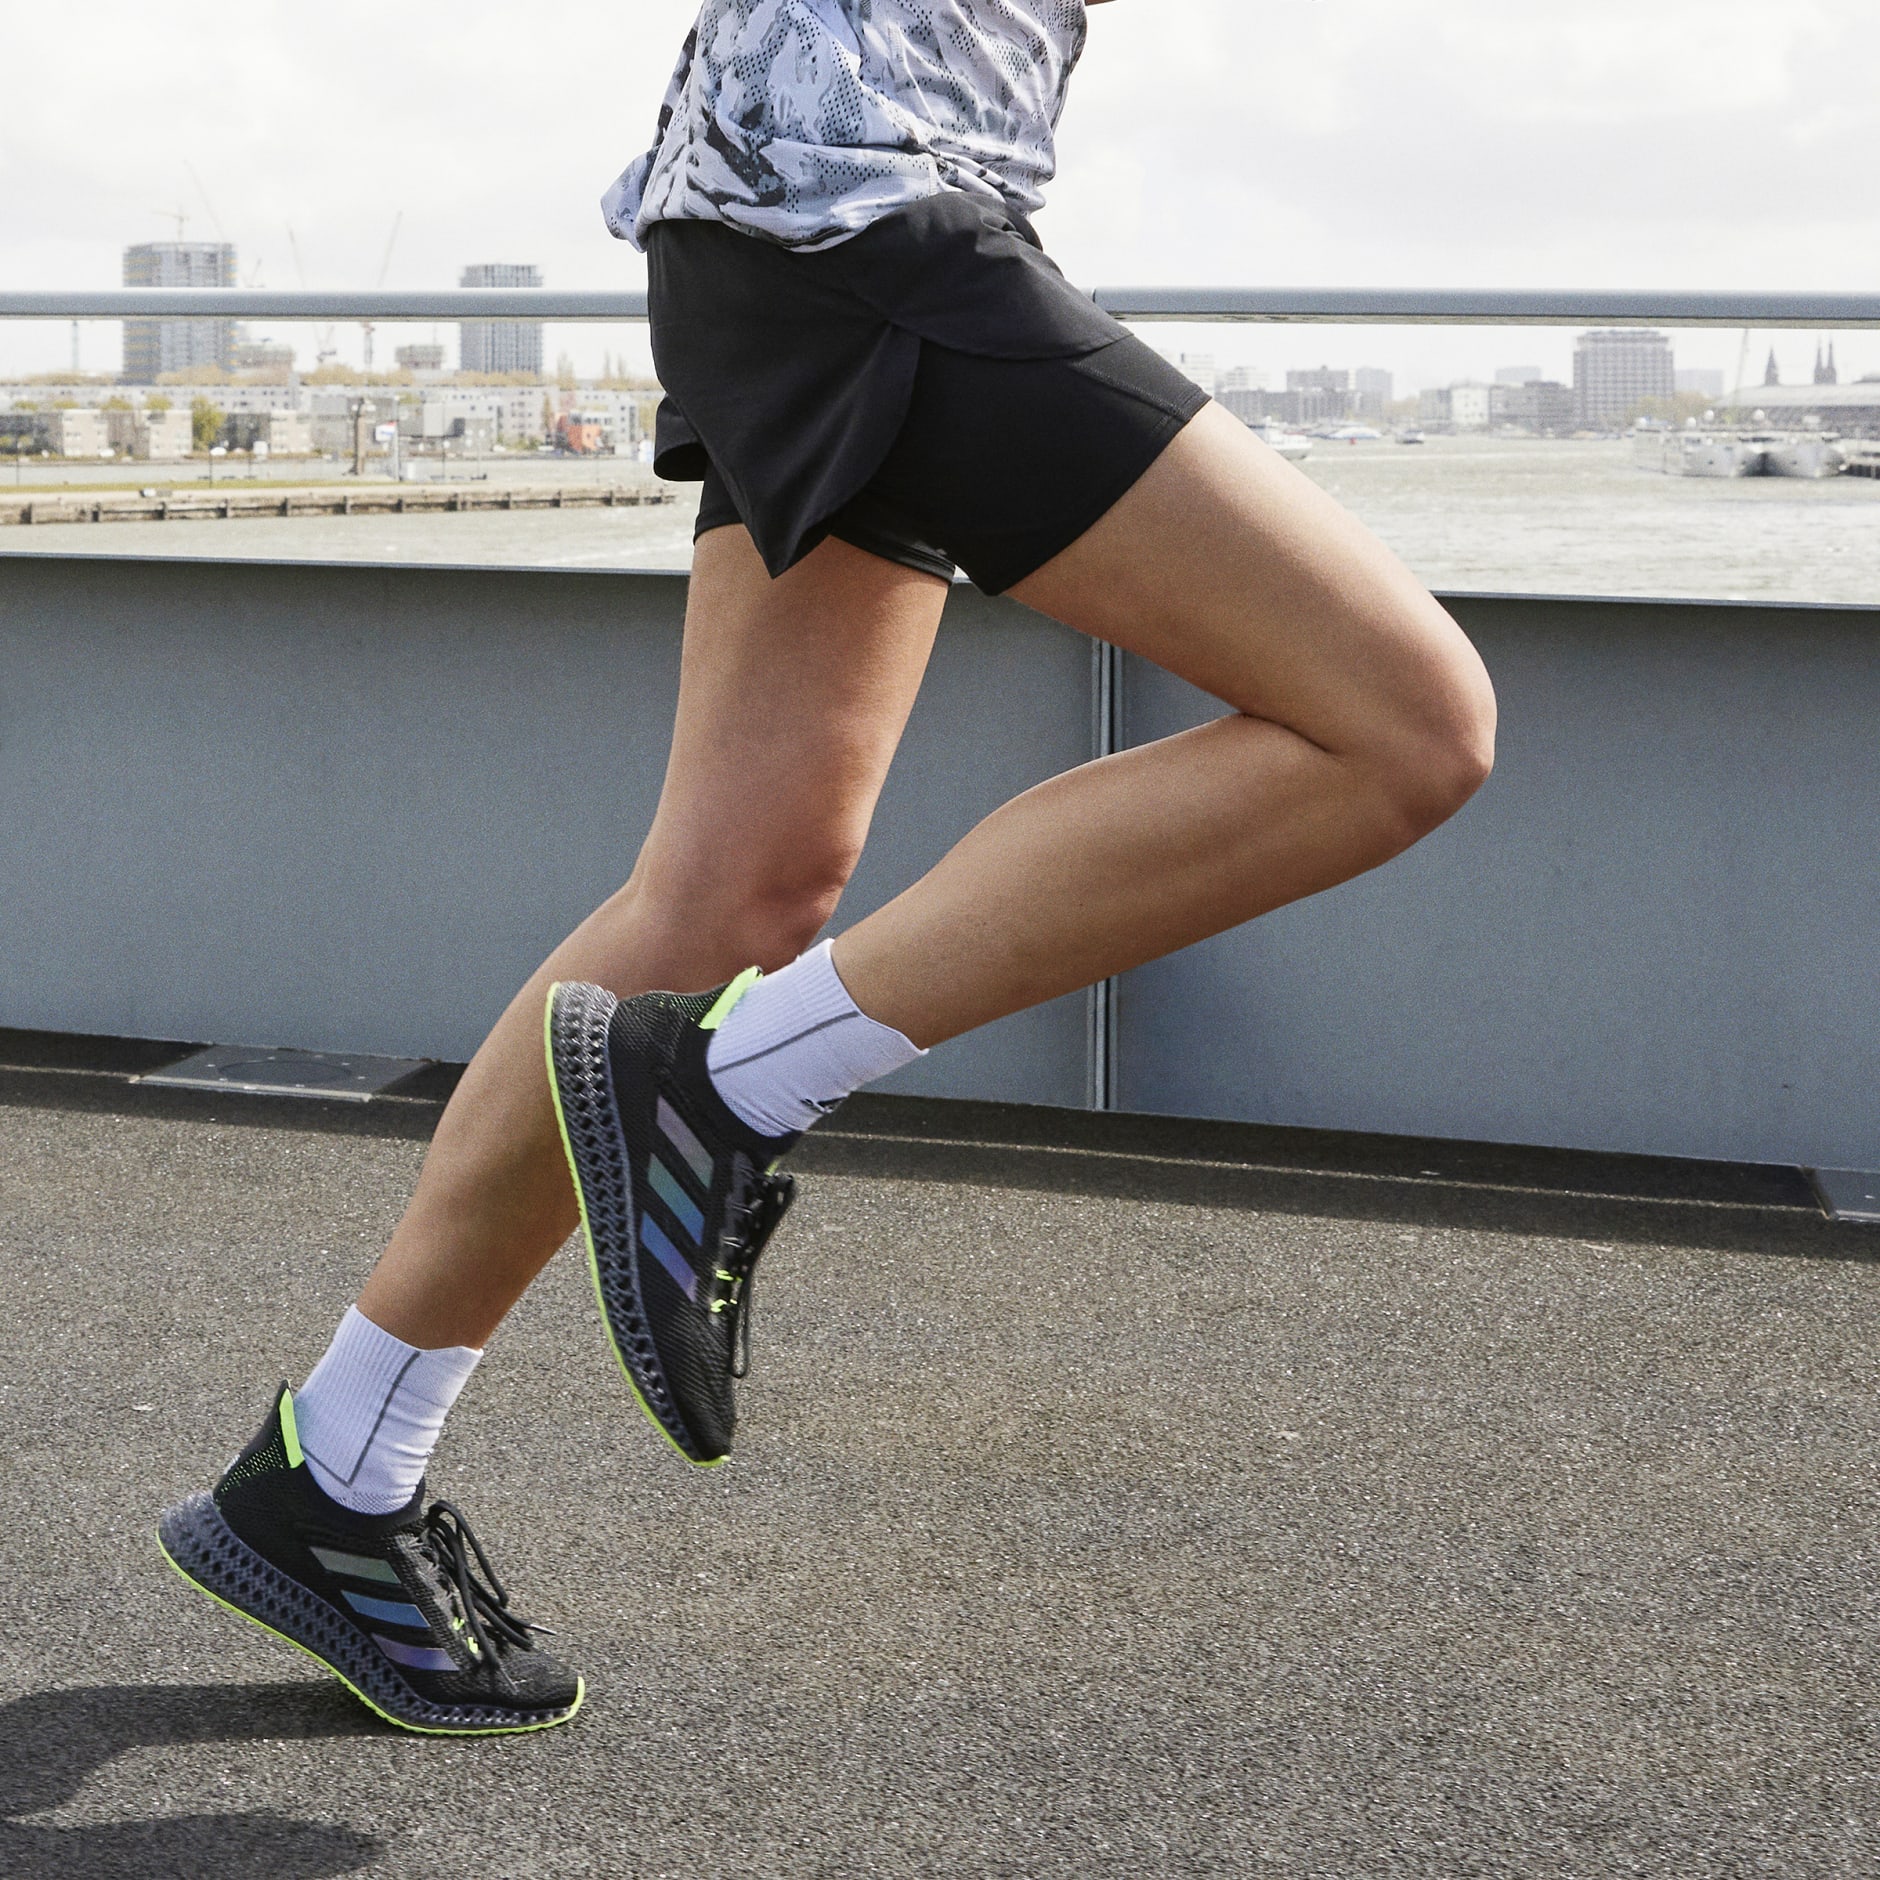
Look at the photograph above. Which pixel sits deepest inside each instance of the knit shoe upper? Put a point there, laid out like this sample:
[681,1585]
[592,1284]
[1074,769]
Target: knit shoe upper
[678,1197]
[404,1607]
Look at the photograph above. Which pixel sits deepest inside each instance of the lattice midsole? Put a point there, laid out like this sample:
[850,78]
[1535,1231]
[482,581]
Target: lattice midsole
[591,1117]
[207,1550]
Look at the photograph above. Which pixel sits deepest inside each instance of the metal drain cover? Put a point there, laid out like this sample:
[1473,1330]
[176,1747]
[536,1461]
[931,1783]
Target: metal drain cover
[261,1071]
[1851,1194]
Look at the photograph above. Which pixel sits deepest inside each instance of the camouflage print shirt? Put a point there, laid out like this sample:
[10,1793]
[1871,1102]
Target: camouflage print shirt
[804,121]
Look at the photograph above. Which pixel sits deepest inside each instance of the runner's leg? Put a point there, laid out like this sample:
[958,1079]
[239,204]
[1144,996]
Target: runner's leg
[793,696]
[1361,719]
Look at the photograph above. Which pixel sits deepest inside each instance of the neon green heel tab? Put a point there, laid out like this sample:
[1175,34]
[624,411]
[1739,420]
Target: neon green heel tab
[290,1430]
[729,998]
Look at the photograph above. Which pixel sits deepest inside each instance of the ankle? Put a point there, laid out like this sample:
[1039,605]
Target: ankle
[796,1044]
[371,1412]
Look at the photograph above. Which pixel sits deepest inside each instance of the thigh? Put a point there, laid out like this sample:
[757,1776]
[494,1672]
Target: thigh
[793,694]
[1231,568]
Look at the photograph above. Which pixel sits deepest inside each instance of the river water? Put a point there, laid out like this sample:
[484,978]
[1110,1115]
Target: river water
[1468,514]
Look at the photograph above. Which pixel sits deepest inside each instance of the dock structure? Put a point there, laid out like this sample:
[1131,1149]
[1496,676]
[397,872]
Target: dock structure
[389,499]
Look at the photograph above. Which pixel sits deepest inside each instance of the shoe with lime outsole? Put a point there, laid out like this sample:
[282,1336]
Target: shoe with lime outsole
[402,1608]
[678,1197]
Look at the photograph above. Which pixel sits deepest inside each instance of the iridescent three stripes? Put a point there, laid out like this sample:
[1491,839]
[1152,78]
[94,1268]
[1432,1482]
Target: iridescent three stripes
[677,1148]
[385,1611]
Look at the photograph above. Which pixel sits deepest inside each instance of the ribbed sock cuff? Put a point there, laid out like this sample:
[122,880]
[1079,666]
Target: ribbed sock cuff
[372,1410]
[796,1044]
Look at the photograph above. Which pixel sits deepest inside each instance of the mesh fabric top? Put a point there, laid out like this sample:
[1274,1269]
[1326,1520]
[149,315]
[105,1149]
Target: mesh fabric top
[804,121]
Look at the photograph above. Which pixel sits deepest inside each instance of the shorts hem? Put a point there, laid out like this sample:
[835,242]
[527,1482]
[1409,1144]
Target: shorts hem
[879,543]
[885,548]
[1006,575]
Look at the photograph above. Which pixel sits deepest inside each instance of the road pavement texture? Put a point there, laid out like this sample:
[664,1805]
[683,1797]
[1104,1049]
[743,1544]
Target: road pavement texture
[1068,1534]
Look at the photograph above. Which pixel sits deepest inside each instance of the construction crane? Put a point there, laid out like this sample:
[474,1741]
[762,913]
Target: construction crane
[325,352]
[385,267]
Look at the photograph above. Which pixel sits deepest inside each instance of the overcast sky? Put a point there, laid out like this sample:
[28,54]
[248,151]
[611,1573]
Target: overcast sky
[1503,143]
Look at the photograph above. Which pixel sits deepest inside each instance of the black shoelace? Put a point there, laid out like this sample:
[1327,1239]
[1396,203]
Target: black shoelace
[757,1204]
[483,1602]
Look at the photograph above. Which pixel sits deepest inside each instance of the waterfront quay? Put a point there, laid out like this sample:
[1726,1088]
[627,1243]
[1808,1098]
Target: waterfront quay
[366,499]
[1471,513]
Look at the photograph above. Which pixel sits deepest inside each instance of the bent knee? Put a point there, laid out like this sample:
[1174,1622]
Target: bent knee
[780,916]
[1441,749]
[756,915]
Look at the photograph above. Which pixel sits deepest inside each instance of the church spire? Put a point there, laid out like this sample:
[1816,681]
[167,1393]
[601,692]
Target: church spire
[1772,373]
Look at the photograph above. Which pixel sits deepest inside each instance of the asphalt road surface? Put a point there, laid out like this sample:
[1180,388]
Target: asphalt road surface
[1067,1535]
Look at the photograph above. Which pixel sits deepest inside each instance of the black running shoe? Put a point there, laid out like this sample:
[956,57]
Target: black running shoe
[390,1604]
[678,1197]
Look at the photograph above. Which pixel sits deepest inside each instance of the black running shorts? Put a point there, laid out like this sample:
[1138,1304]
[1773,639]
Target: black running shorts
[932,391]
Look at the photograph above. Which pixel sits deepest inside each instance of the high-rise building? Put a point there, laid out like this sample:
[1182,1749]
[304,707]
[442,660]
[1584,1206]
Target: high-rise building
[154,347]
[1252,404]
[1334,381]
[261,355]
[1518,375]
[1616,370]
[500,345]
[1322,395]
[1471,406]
[1372,389]
[1542,406]
[1201,367]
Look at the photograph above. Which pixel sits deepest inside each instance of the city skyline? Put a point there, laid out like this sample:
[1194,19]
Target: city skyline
[1269,354]
[156,351]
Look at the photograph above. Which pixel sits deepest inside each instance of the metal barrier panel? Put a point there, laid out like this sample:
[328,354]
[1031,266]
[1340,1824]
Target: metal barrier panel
[1657,929]
[351,808]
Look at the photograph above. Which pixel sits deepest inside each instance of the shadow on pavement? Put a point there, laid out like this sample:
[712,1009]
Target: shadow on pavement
[52,1742]
[185,1847]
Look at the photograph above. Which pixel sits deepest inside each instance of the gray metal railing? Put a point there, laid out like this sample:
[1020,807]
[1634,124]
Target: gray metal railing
[1408,306]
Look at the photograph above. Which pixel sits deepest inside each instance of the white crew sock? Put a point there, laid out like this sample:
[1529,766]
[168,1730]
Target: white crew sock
[369,1416]
[796,1044]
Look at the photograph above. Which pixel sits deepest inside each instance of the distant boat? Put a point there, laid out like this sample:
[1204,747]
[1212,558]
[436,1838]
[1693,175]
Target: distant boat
[1724,454]
[1807,455]
[1351,434]
[1697,453]
[1289,444]
[1412,437]
[1701,456]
